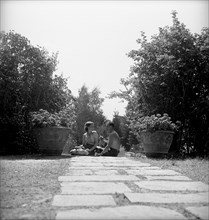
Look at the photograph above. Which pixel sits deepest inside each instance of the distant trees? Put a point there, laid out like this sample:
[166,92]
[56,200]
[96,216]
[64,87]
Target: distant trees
[26,84]
[171,75]
[88,108]
[121,126]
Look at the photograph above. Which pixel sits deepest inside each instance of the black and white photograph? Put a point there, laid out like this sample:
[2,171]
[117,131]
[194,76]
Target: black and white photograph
[104,109]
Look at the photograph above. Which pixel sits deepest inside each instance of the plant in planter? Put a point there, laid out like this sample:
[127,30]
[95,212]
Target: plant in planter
[155,133]
[52,130]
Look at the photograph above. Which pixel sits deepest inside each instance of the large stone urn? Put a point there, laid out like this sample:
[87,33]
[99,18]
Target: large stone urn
[51,140]
[156,143]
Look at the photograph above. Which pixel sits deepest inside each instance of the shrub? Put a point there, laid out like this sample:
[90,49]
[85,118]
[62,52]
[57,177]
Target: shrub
[155,123]
[43,118]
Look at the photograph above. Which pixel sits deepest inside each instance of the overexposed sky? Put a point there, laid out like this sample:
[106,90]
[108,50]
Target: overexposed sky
[93,37]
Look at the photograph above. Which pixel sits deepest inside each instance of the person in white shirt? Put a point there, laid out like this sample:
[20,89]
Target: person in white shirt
[90,138]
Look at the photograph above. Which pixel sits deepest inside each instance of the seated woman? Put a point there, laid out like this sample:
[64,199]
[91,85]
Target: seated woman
[90,138]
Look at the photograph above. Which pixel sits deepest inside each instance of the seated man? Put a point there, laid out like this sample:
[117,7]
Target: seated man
[113,145]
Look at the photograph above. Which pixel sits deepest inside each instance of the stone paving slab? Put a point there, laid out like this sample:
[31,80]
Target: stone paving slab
[114,171]
[102,159]
[127,164]
[111,162]
[183,178]
[122,161]
[93,188]
[106,172]
[84,165]
[96,168]
[123,212]
[136,168]
[105,160]
[83,200]
[79,172]
[201,212]
[147,168]
[168,197]
[92,182]
[173,186]
[90,178]
[153,172]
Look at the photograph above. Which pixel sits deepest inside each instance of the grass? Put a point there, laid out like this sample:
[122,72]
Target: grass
[196,169]
[28,184]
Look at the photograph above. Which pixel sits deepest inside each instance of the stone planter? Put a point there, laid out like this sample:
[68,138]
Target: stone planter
[51,140]
[156,143]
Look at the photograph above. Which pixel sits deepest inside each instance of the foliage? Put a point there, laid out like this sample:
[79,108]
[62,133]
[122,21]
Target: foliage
[154,123]
[88,108]
[16,135]
[122,128]
[27,84]
[63,118]
[27,76]
[170,74]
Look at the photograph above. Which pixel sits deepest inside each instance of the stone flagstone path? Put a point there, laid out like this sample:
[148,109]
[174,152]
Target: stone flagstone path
[122,188]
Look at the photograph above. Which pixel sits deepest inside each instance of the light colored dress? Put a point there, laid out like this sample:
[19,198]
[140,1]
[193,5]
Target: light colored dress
[90,140]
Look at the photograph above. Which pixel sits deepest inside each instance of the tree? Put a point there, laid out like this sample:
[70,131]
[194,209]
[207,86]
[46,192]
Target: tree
[121,126]
[170,74]
[26,84]
[88,108]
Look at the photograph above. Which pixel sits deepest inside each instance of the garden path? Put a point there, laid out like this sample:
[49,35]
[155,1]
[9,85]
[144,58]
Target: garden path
[124,188]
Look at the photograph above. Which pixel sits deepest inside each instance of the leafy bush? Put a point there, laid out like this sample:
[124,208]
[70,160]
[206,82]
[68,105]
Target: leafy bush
[16,136]
[27,83]
[155,123]
[43,118]
[170,74]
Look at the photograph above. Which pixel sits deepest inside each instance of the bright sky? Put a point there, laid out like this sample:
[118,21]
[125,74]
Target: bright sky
[93,37]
